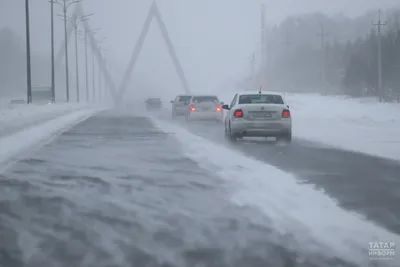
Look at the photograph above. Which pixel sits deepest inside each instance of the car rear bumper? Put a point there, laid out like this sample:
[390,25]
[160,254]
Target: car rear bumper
[179,112]
[260,128]
[205,115]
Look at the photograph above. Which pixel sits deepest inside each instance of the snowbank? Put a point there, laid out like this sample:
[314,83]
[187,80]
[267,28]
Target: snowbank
[353,124]
[16,117]
[12,146]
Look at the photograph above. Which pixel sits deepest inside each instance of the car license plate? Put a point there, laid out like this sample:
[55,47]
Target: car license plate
[264,116]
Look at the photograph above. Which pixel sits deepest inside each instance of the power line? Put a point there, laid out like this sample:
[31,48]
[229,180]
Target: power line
[379,24]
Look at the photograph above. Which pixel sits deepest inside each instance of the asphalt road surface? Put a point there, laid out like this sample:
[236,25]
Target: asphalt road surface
[116,191]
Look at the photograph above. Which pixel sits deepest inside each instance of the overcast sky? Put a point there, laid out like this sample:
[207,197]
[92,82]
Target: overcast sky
[213,38]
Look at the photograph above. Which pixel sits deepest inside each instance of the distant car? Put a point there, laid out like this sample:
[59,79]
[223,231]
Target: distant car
[17,102]
[205,107]
[153,104]
[180,105]
[258,114]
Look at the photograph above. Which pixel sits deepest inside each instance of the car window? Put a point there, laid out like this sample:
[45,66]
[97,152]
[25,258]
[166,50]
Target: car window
[234,101]
[199,99]
[261,99]
[183,98]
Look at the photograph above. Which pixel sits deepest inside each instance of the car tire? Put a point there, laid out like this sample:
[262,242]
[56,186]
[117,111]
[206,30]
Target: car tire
[232,137]
[287,137]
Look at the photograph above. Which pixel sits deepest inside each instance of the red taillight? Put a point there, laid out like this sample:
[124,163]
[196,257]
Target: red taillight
[238,113]
[219,108]
[192,108]
[285,113]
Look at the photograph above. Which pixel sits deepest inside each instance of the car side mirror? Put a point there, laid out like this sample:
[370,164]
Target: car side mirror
[172,101]
[225,107]
[287,106]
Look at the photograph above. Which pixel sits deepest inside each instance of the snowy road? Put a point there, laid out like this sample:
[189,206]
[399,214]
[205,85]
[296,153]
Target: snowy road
[360,182]
[115,190]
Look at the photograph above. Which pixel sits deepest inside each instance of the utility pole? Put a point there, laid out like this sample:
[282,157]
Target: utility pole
[286,41]
[75,20]
[76,61]
[262,37]
[86,65]
[322,36]
[98,43]
[86,32]
[379,24]
[253,69]
[66,49]
[65,4]
[93,74]
[53,78]
[100,84]
[28,55]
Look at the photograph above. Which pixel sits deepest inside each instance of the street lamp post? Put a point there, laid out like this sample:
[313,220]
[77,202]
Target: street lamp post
[28,55]
[75,20]
[96,42]
[53,79]
[65,4]
[86,60]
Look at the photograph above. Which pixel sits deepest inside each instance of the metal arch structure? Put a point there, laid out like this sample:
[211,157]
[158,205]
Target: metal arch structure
[154,12]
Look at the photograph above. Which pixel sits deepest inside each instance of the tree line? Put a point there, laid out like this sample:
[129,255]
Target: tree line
[334,54]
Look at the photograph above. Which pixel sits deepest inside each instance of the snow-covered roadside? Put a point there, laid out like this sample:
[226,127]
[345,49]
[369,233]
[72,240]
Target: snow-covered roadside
[352,124]
[17,117]
[12,146]
[358,125]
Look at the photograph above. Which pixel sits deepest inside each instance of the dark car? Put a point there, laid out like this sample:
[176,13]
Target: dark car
[153,104]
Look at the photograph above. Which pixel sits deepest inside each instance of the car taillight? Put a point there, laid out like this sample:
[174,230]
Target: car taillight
[219,108]
[192,108]
[285,113]
[238,113]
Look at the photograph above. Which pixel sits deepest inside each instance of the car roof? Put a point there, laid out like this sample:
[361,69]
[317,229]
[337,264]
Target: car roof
[257,92]
[205,95]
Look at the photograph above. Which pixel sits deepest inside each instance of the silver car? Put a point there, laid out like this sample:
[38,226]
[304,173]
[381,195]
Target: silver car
[258,114]
[180,105]
[205,108]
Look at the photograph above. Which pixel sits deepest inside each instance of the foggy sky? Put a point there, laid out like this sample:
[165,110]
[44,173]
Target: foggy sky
[213,38]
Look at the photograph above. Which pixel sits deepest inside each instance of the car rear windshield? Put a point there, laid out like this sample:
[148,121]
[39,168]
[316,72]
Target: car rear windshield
[260,99]
[198,99]
[184,98]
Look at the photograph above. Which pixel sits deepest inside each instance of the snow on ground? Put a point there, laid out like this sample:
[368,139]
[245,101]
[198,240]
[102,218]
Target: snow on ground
[293,208]
[19,142]
[15,117]
[361,125]
[352,124]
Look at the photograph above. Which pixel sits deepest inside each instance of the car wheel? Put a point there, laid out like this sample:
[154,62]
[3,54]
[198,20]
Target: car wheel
[232,137]
[287,137]
[226,134]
